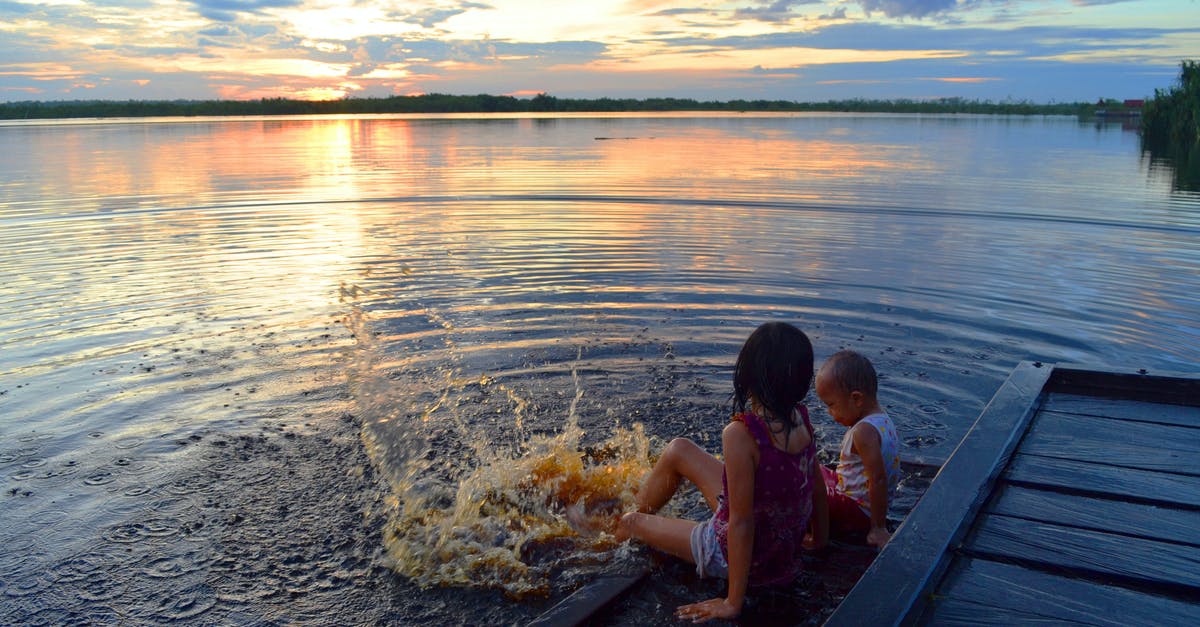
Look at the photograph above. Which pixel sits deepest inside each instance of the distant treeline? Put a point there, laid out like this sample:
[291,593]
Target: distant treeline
[1171,126]
[444,103]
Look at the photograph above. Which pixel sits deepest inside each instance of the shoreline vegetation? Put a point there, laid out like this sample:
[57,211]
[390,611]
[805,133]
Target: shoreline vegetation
[1171,126]
[483,103]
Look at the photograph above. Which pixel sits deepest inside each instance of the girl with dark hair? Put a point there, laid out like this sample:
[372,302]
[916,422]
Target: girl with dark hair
[763,495]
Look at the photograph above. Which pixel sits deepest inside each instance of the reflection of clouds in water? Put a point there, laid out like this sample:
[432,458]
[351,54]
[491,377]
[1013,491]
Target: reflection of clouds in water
[170,277]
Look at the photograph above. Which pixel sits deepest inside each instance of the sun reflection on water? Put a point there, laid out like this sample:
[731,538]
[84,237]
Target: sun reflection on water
[171,276]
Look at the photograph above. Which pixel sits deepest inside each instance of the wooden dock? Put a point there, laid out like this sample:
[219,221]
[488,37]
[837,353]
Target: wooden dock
[1075,497]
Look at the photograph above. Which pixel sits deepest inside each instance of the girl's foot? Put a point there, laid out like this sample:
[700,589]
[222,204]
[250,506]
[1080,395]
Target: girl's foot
[623,524]
[578,519]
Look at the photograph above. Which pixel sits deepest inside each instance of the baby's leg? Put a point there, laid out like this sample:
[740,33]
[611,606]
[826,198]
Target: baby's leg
[682,459]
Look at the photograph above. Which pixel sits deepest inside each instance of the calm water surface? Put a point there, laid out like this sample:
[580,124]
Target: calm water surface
[488,296]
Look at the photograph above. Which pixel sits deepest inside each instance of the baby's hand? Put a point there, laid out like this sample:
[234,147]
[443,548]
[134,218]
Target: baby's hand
[878,536]
[810,543]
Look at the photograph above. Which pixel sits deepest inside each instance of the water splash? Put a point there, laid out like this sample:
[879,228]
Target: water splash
[469,511]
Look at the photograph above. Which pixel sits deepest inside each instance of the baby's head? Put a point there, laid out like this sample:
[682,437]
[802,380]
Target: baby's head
[774,368]
[847,384]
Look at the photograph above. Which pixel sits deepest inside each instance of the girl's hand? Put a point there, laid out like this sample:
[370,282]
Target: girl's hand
[707,610]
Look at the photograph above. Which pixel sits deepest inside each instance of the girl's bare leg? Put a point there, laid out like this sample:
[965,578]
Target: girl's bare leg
[669,535]
[681,459]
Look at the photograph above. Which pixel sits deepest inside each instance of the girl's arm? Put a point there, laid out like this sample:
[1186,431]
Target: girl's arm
[867,444]
[740,463]
[820,510]
[741,460]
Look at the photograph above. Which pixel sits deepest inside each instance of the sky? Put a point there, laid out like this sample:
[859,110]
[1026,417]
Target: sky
[1040,51]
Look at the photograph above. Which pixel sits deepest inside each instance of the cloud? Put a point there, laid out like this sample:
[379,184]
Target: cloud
[363,65]
[907,8]
[228,35]
[227,10]
[960,79]
[431,17]
[997,80]
[515,54]
[1033,41]
[686,48]
[220,30]
[772,11]
[681,11]
[16,8]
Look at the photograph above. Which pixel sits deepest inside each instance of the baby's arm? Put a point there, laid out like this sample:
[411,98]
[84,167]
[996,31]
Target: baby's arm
[867,443]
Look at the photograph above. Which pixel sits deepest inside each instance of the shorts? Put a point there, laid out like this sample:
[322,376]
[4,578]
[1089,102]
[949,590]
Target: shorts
[846,516]
[710,561]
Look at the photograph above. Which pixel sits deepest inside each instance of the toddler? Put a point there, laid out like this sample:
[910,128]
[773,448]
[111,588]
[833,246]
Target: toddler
[868,466]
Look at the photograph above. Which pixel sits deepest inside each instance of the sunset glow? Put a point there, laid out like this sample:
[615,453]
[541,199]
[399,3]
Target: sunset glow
[803,50]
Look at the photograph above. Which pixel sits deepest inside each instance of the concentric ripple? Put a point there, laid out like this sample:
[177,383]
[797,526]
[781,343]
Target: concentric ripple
[184,300]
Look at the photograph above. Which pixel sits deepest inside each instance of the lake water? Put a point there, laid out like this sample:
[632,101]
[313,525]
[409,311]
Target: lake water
[219,334]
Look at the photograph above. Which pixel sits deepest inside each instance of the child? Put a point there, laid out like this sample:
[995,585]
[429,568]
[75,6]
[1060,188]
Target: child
[869,464]
[762,495]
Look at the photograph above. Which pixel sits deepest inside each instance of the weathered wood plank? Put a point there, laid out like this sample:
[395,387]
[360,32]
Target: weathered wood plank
[894,588]
[1105,480]
[1171,568]
[1181,415]
[1126,431]
[1147,446]
[979,592]
[1122,517]
[581,604]
[1161,387]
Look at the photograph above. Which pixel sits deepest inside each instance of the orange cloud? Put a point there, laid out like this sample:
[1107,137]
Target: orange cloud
[43,72]
[242,92]
[962,79]
[847,81]
[770,58]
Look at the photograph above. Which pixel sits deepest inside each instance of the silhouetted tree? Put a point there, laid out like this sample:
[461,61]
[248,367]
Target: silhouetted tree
[1171,126]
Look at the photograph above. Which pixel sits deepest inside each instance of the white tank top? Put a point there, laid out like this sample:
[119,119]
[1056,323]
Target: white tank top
[852,478]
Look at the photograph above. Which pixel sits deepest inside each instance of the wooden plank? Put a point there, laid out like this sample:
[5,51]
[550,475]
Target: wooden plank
[1105,480]
[1121,517]
[581,604]
[894,588]
[1147,446]
[1171,568]
[1181,415]
[982,592]
[1161,387]
[1126,432]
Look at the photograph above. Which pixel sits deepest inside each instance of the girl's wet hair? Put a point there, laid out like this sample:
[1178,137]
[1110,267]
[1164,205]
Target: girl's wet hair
[775,365]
